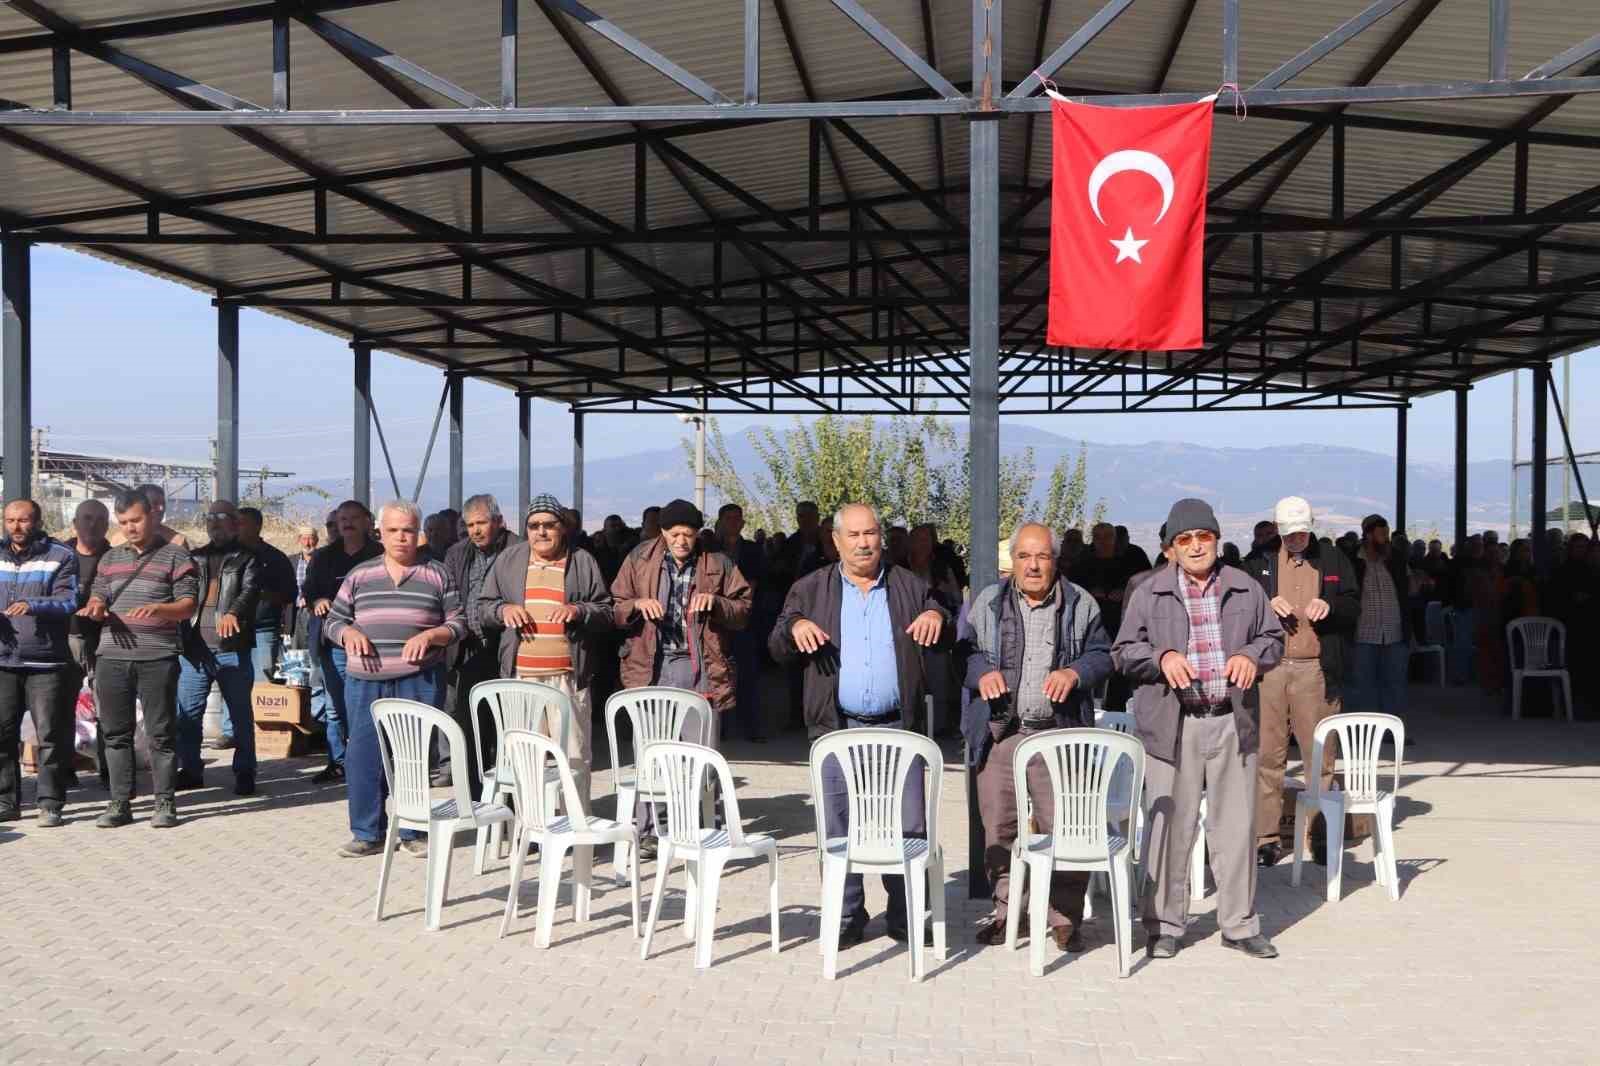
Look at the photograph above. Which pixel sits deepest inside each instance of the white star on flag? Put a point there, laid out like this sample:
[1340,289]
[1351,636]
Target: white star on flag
[1128,248]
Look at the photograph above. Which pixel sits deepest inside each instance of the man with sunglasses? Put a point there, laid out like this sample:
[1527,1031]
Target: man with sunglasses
[1194,641]
[554,606]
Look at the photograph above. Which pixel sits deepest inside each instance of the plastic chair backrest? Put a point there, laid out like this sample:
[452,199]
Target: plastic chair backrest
[405,728]
[1082,764]
[656,713]
[521,704]
[876,764]
[679,770]
[528,754]
[1544,643]
[1360,740]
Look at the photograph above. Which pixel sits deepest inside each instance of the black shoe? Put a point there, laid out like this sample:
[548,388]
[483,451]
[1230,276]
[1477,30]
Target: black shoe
[223,744]
[244,784]
[329,775]
[647,847]
[116,814]
[1161,947]
[900,934]
[1257,947]
[439,779]
[9,814]
[853,932]
[49,817]
[1268,855]
[189,780]
[360,849]
[166,814]
[1319,850]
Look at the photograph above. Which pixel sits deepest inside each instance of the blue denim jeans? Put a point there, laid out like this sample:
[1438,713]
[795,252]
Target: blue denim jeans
[232,673]
[262,659]
[365,785]
[836,822]
[1462,647]
[1378,678]
[337,718]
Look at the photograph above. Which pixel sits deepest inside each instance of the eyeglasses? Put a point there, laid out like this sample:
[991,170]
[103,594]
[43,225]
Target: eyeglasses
[543,527]
[1203,537]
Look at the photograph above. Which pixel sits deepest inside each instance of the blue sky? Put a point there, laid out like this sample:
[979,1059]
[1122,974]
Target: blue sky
[125,363]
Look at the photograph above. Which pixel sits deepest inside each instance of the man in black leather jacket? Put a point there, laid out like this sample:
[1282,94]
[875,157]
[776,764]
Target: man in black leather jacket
[217,645]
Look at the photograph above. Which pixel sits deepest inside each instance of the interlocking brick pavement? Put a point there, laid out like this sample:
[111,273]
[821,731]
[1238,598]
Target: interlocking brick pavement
[239,938]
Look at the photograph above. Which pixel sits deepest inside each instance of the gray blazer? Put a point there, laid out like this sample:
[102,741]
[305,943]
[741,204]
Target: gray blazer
[585,588]
[1155,621]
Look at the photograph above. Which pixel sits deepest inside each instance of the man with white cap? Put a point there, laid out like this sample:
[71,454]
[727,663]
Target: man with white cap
[1313,592]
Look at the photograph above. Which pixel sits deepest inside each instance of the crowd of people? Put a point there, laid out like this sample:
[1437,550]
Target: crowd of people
[1220,657]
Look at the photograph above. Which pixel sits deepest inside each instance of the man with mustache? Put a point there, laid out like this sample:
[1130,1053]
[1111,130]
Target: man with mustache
[1195,639]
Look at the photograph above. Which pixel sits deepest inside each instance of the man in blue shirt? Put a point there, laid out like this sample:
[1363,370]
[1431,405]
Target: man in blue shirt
[860,628]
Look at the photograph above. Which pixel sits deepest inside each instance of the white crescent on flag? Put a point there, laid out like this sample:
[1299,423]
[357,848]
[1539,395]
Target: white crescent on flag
[1130,159]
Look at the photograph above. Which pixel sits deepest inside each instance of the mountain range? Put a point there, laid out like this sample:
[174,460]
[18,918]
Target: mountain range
[1138,482]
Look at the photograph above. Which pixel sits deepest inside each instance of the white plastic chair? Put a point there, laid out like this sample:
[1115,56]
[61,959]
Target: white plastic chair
[679,770]
[405,729]
[1436,650]
[1082,764]
[656,713]
[515,704]
[528,756]
[1544,654]
[876,764]
[1360,738]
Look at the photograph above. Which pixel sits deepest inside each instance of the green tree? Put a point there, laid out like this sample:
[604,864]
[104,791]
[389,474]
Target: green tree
[952,497]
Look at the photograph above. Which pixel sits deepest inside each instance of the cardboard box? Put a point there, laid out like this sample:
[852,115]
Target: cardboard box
[81,763]
[282,705]
[276,741]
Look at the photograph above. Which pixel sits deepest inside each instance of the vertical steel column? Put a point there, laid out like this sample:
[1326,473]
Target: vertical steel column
[1400,469]
[1461,469]
[577,460]
[1540,469]
[227,473]
[361,483]
[16,367]
[984,346]
[457,385]
[524,459]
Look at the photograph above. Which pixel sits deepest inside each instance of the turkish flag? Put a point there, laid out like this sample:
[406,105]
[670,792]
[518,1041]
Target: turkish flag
[1128,226]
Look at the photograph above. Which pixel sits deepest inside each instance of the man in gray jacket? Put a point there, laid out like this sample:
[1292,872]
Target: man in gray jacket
[553,604]
[1194,641]
[1035,651]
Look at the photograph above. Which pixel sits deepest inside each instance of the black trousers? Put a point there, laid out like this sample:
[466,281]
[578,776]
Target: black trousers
[44,695]
[482,665]
[154,683]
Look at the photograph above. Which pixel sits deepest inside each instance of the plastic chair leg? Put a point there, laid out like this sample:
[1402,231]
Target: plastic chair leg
[480,849]
[833,875]
[391,837]
[495,834]
[710,882]
[1121,873]
[582,880]
[936,890]
[519,855]
[1333,815]
[633,893]
[1038,911]
[1387,861]
[691,897]
[1566,695]
[916,909]
[1516,695]
[1088,896]
[663,869]
[1018,880]
[550,859]
[1299,842]
[622,853]
[772,897]
[438,873]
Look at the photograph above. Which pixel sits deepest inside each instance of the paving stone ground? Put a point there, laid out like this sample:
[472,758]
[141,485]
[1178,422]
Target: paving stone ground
[240,938]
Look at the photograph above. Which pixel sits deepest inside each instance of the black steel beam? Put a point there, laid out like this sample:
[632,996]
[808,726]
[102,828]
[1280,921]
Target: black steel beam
[897,48]
[227,470]
[1540,470]
[361,448]
[16,367]
[1081,38]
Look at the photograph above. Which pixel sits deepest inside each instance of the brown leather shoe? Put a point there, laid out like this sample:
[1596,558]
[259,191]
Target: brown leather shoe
[1068,938]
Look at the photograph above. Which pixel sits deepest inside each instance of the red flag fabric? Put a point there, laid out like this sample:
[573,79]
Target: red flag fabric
[1127,226]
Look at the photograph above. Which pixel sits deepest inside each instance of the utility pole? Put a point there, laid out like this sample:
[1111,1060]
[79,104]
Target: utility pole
[38,458]
[216,481]
[699,422]
[1566,467]
[1516,446]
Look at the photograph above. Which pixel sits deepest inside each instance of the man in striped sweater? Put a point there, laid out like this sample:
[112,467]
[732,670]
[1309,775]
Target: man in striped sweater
[143,589]
[41,592]
[394,616]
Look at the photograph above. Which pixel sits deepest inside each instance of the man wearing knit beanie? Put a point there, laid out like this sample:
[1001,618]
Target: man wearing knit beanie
[1195,639]
[678,607]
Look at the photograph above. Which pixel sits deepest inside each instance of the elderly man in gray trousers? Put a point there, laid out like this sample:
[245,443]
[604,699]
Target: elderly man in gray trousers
[1194,641]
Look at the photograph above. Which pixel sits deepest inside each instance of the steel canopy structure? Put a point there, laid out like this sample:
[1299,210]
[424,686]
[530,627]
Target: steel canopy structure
[811,205]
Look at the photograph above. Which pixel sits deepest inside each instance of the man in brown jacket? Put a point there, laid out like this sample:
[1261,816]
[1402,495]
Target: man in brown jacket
[1194,641]
[678,607]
